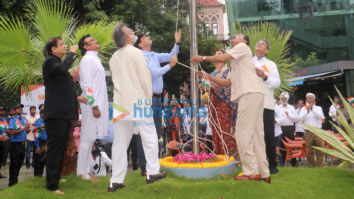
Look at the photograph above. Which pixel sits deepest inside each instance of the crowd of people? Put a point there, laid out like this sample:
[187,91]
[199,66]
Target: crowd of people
[240,117]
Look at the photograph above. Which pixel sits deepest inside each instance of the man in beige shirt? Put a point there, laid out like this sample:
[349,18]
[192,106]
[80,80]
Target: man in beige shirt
[247,92]
[33,117]
[132,96]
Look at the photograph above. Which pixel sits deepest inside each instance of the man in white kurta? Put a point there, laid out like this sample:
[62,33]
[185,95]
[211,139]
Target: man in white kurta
[94,124]
[132,94]
[269,80]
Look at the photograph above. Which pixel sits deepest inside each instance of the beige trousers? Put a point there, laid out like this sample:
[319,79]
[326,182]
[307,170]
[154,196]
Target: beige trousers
[313,140]
[250,135]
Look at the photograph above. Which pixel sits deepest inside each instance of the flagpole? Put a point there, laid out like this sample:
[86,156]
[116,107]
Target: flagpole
[194,78]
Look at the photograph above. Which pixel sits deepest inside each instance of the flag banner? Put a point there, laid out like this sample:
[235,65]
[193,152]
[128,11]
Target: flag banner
[34,98]
[18,125]
[90,97]
[206,82]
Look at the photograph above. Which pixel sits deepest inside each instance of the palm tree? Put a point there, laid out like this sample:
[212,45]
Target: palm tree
[21,43]
[279,52]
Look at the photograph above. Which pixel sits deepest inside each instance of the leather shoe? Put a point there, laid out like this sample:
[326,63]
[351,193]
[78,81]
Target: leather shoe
[267,179]
[273,170]
[153,178]
[143,172]
[246,177]
[115,186]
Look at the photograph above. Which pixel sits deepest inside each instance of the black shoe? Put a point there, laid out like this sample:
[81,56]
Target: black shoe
[273,170]
[143,172]
[153,178]
[2,176]
[115,186]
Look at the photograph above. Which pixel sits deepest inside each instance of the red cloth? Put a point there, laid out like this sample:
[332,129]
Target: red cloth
[224,112]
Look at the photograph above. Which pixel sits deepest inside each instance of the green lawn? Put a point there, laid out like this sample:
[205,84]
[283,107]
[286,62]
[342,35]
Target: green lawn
[288,183]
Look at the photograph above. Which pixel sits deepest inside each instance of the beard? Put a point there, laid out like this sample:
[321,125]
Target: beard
[133,38]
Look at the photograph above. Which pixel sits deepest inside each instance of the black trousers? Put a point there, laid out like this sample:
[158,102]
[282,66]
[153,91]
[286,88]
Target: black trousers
[288,131]
[17,156]
[39,160]
[268,120]
[133,147]
[57,131]
[4,151]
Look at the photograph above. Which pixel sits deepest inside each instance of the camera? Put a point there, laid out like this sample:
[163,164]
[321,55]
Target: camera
[99,147]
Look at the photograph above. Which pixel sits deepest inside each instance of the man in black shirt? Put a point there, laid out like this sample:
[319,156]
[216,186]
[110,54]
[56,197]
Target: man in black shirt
[60,105]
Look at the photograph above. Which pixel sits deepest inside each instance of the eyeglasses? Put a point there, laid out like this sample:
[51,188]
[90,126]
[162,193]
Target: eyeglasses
[261,43]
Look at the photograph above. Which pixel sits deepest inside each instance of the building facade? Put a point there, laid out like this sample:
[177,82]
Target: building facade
[212,13]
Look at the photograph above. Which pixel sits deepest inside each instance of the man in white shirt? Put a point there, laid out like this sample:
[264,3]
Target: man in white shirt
[269,79]
[312,115]
[33,117]
[132,97]
[333,112]
[287,118]
[299,128]
[94,121]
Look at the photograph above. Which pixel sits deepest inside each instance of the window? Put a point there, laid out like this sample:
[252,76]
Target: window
[215,28]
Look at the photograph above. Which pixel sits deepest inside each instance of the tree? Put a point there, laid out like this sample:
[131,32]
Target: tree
[309,61]
[279,52]
[21,44]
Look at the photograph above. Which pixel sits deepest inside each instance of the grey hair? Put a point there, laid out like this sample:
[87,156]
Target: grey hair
[119,36]
[267,42]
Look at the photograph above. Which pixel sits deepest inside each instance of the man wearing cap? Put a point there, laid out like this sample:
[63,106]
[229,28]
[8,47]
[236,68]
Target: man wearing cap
[94,113]
[312,115]
[18,131]
[287,117]
[269,80]
[154,61]
[4,141]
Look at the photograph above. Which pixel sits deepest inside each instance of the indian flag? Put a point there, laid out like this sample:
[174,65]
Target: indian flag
[350,99]
[3,125]
[206,82]
[123,113]
[18,125]
[90,97]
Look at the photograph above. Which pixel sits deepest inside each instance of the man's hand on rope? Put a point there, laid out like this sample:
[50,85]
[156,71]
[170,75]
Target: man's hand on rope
[173,61]
[178,36]
[197,59]
[200,73]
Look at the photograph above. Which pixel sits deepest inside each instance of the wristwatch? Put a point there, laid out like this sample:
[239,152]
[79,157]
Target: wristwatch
[204,57]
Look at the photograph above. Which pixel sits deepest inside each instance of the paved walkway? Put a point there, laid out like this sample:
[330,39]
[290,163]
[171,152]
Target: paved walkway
[24,173]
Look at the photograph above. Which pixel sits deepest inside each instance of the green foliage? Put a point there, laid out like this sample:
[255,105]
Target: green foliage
[309,61]
[21,45]
[102,31]
[321,183]
[16,53]
[347,132]
[279,52]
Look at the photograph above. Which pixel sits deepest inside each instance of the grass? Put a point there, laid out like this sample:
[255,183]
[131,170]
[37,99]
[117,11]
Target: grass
[289,183]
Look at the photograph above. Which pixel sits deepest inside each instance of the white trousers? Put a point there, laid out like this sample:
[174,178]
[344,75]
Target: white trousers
[123,132]
[83,157]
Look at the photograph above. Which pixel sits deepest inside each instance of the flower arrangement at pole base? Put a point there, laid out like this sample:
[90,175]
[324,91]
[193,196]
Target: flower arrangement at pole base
[201,160]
